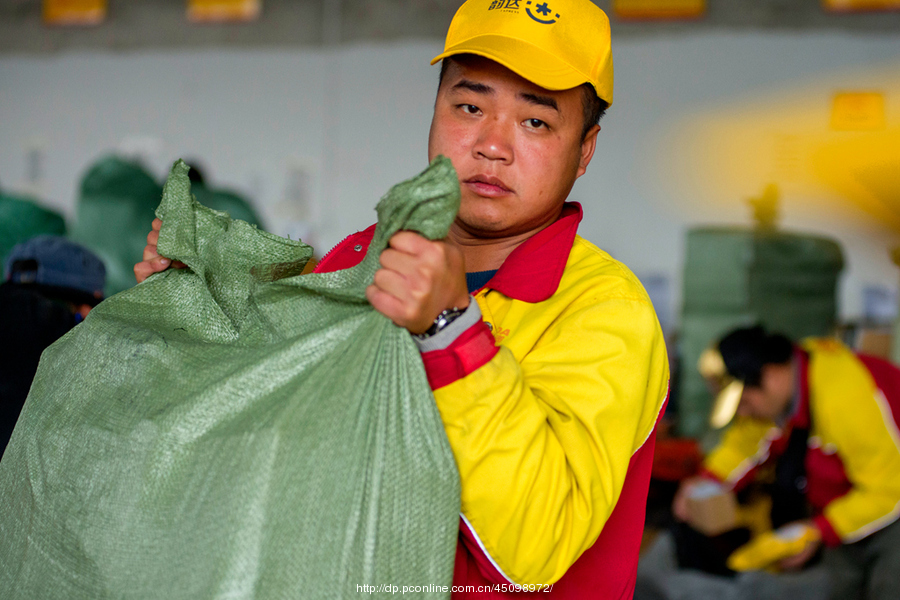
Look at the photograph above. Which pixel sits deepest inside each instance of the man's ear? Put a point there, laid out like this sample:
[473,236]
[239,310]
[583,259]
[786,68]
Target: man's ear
[588,145]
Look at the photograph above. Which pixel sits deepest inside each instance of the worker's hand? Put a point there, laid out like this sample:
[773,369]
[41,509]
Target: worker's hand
[419,278]
[679,503]
[790,547]
[797,561]
[153,262]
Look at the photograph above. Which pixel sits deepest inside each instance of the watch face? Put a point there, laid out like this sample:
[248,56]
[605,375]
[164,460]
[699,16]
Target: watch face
[443,320]
[447,317]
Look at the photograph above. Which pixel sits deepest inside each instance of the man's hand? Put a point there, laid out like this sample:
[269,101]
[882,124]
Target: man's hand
[418,279]
[153,262]
[790,547]
[679,503]
[797,561]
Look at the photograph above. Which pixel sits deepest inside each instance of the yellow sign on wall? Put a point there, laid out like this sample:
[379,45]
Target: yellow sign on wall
[218,11]
[659,9]
[857,111]
[860,5]
[74,12]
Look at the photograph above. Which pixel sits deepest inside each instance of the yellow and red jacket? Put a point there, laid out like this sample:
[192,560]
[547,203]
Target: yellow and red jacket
[550,403]
[851,405]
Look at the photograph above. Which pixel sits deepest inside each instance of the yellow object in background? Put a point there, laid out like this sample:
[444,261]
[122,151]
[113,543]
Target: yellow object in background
[860,5]
[659,9]
[771,547]
[857,111]
[217,11]
[755,515]
[74,12]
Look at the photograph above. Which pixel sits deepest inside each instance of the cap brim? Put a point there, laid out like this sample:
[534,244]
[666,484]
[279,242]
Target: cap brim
[529,61]
[726,404]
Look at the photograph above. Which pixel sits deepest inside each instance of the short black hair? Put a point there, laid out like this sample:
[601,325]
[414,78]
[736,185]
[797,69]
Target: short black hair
[593,107]
[746,350]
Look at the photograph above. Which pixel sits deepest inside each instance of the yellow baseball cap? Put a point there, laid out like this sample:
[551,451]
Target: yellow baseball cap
[556,44]
[729,389]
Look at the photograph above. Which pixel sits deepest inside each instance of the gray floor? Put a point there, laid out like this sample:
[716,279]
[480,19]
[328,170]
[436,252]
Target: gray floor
[660,579]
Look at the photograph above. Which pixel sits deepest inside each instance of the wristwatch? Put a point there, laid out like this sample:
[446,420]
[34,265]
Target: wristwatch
[441,322]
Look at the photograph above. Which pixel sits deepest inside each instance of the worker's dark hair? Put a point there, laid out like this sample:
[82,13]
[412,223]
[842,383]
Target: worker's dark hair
[747,349]
[594,108]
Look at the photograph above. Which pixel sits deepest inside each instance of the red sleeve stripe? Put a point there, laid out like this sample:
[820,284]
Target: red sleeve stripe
[471,350]
[489,569]
[829,535]
[659,416]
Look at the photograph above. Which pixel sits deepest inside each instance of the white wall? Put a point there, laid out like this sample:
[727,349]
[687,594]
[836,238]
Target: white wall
[355,120]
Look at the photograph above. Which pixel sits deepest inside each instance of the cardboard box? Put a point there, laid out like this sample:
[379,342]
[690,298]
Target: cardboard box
[875,342]
[711,508]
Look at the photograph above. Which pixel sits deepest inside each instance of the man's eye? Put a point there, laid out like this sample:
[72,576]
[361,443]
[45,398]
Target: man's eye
[470,108]
[535,124]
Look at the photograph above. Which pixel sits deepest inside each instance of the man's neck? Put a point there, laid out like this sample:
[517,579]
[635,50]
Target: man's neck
[488,253]
[793,401]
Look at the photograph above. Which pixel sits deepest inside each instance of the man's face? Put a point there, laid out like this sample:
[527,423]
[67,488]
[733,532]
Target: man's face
[769,400]
[517,147]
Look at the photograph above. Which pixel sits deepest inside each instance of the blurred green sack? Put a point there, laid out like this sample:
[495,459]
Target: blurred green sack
[235,430]
[226,201]
[22,219]
[116,204]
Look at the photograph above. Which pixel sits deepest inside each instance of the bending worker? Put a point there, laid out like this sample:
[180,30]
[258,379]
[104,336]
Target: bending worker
[51,284]
[545,355]
[827,418]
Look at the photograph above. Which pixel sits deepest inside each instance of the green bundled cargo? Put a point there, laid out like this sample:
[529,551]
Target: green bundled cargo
[735,277]
[235,429]
[22,219]
[225,201]
[116,204]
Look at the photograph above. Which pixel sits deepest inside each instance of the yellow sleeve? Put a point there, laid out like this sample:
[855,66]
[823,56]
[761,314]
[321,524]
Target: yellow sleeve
[743,447]
[543,443]
[852,414]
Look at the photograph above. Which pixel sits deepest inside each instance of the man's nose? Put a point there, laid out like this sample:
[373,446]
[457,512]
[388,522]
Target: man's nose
[495,140]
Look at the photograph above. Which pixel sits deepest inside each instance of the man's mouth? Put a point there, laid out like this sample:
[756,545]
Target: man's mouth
[487,185]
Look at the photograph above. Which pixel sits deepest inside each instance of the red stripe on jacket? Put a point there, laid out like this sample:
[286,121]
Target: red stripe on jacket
[606,571]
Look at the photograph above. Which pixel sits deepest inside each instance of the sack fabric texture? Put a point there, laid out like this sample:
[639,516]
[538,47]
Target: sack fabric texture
[235,429]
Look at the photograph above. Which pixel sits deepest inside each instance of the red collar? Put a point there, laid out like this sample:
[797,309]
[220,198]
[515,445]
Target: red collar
[532,271]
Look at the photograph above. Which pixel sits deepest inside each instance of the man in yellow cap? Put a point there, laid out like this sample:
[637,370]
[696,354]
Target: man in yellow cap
[545,355]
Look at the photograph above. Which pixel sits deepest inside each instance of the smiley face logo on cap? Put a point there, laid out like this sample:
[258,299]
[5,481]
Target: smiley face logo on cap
[543,10]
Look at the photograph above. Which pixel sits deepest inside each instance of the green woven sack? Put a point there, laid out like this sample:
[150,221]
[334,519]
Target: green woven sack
[235,430]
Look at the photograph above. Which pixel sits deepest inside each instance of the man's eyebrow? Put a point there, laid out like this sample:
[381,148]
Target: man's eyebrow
[540,100]
[478,88]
